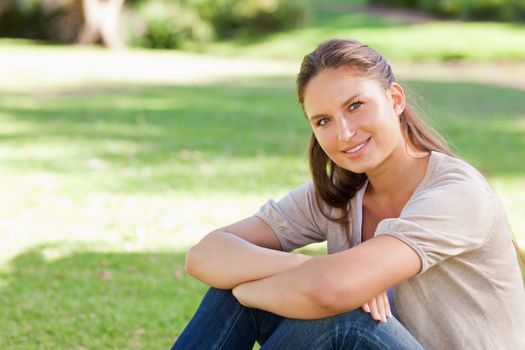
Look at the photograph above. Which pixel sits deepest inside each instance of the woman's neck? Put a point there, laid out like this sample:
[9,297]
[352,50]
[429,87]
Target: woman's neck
[398,176]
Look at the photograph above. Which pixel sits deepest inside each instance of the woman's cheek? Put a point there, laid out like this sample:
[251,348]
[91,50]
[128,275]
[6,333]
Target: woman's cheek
[328,141]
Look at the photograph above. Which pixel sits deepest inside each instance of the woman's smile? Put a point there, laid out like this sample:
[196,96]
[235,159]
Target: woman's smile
[356,150]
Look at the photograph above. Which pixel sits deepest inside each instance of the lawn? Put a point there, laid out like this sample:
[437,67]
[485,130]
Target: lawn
[114,178]
[107,184]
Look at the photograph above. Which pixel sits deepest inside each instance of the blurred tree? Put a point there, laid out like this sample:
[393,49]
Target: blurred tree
[163,24]
[101,22]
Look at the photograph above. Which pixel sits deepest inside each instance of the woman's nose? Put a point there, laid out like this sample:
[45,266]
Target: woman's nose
[344,129]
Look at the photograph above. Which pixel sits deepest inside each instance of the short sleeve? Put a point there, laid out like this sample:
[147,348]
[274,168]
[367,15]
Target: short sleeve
[446,219]
[295,218]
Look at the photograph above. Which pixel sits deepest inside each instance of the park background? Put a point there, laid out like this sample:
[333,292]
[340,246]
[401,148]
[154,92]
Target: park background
[119,151]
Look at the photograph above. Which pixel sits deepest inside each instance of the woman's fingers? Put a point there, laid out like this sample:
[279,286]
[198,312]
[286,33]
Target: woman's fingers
[366,307]
[381,307]
[374,311]
[386,302]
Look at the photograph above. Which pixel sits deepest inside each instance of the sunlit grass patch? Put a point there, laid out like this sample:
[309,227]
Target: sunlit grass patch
[435,40]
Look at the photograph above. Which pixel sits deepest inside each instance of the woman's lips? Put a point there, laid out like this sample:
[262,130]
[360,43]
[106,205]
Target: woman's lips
[357,150]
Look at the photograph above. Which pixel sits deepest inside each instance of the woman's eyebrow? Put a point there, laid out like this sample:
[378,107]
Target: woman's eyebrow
[317,116]
[348,101]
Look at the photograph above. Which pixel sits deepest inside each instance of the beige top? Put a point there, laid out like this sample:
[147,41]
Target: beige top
[469,293]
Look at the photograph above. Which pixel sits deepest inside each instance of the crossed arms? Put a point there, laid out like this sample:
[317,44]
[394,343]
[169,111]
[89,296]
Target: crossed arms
[247,258]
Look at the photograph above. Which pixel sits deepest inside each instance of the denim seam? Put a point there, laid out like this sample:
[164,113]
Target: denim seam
[231,328]
[350,329]
[372,340]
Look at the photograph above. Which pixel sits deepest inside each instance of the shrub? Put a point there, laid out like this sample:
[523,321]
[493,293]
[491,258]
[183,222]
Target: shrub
[154,23]
[236,18]
[466,9]
[178,23]
[445,8]
[398,3]
[55,20]
[167,25]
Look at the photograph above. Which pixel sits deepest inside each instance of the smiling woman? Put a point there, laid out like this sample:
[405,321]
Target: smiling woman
[420,254]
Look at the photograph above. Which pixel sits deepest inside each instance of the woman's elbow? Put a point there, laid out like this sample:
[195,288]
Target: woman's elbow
[324,296]
[194,257]
[330,294]
[196,268]
[192,261]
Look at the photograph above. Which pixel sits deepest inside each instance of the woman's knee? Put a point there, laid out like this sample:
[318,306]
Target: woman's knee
[356,317]
[350,330]
[357,330]
[314,329]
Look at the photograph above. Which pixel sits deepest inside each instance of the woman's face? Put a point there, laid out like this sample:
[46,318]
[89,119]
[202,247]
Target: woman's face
[354,119]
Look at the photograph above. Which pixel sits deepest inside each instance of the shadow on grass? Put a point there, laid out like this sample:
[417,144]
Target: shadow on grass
[236,136]
[55,297]
[95,300]
[60,297]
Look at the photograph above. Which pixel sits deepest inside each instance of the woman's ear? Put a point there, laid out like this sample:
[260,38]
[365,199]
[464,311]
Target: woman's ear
[398,98]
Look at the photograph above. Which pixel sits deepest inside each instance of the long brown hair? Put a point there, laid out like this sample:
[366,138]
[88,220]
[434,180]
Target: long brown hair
[335,186]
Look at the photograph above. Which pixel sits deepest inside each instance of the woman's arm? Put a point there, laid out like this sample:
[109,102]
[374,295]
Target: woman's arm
[329,285]
[246,251]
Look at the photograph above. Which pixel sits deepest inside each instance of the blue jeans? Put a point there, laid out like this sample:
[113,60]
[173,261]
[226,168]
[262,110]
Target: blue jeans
[222,323]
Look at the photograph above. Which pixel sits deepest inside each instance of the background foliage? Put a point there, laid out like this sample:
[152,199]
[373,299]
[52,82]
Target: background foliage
[193,23]
[155,23]
[506,10]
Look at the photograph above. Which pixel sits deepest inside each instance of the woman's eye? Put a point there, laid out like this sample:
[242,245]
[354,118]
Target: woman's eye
[323,121]
[355,105]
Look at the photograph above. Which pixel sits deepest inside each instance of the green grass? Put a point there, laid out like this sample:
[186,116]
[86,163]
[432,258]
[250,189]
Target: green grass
[161,138]
[197,139]
[95,300]
[63,296]
[394,38]
[128,166]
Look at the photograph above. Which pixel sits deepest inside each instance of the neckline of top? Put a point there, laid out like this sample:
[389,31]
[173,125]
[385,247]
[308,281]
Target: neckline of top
[361,192]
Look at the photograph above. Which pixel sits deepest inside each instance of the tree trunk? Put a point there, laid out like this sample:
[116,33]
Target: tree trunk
[101,21]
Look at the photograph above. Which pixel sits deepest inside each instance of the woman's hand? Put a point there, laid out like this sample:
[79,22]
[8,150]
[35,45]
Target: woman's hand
[239,293]
[379,308]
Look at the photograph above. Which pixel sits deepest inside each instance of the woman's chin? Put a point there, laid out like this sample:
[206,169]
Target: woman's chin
[355,168]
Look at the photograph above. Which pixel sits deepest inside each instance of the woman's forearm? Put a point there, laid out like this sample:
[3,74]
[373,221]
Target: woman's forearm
[224,260]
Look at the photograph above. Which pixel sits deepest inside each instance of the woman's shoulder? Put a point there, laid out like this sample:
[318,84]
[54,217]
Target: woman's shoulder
[456,173]
[452,185]
[303,192]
